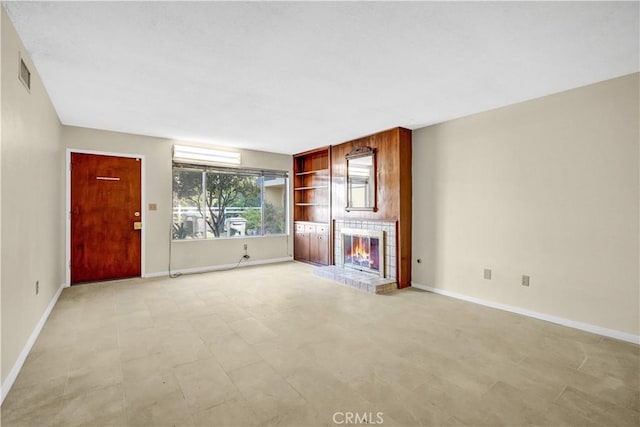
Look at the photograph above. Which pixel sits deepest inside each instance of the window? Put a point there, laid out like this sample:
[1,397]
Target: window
[211,202]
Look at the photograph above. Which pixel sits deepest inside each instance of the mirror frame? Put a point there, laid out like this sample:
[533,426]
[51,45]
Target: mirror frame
[357,153]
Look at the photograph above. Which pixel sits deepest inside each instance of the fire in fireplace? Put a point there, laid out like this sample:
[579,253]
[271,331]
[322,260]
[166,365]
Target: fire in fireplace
[363,250]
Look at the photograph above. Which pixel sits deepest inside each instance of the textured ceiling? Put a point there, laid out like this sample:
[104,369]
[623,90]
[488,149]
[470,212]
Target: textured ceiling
[286,77]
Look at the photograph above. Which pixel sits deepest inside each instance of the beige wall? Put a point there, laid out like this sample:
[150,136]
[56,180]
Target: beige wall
[547,188]
[32,200]
[185,254]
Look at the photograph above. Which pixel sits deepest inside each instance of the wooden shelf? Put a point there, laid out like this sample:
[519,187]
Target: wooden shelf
[315,187]
[313,171]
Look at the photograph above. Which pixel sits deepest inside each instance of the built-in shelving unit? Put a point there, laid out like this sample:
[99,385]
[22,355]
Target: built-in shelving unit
[312,205]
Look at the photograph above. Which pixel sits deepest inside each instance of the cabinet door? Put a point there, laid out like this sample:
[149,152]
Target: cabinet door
[301,246]
[323,249]
[319,246]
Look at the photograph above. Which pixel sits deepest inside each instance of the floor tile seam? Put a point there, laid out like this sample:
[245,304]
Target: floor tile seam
[576,411]
[230,371]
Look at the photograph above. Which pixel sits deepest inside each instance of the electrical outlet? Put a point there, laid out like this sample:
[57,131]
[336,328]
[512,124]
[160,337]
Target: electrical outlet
[37,287]
[525,280]
[487,274]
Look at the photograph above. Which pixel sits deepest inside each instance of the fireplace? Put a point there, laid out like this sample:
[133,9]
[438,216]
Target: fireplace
[363,250]
[369,262]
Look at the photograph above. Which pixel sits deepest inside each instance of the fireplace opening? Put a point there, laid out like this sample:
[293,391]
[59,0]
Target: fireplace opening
[363,250]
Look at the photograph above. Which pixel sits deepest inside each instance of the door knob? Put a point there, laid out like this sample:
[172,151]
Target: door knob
[136,214]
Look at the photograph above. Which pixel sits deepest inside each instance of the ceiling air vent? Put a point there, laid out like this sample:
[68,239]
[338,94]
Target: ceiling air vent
[25,74]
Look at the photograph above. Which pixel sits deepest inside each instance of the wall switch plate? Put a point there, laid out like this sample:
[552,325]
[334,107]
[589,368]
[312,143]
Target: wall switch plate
[525,280]
[487,273]
[153,206]
[245,246]
[37,287]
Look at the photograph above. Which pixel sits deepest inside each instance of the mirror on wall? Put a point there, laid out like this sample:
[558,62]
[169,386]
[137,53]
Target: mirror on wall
[361,179]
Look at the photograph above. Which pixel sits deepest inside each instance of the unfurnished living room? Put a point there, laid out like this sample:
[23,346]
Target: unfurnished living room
[320,213]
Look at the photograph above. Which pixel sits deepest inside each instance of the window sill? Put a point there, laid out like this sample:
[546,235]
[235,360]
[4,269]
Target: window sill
[216,239]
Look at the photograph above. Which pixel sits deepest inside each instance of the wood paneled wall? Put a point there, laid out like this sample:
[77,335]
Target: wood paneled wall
[394,187]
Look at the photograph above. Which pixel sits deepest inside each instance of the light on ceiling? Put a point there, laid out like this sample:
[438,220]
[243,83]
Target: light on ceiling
[183,153]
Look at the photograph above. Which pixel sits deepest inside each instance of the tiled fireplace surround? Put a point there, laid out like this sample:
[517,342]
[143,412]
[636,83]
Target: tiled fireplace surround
[356,279]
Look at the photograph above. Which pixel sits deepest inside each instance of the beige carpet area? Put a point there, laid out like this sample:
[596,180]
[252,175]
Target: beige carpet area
[276,345]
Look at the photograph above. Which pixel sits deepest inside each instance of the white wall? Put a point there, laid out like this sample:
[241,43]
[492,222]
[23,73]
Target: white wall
[547,188]
[186,255]
[32,200]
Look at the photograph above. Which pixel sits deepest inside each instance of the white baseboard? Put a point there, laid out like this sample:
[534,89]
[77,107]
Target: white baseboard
[13,374]
[611,333]
[218,267]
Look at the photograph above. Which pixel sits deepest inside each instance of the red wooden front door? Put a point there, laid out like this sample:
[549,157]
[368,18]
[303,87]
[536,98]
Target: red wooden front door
[105,208]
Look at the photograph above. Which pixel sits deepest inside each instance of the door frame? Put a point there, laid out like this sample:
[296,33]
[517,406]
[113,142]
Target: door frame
[68,206]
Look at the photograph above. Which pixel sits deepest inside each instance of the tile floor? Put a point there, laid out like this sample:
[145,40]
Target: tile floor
[277,345]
